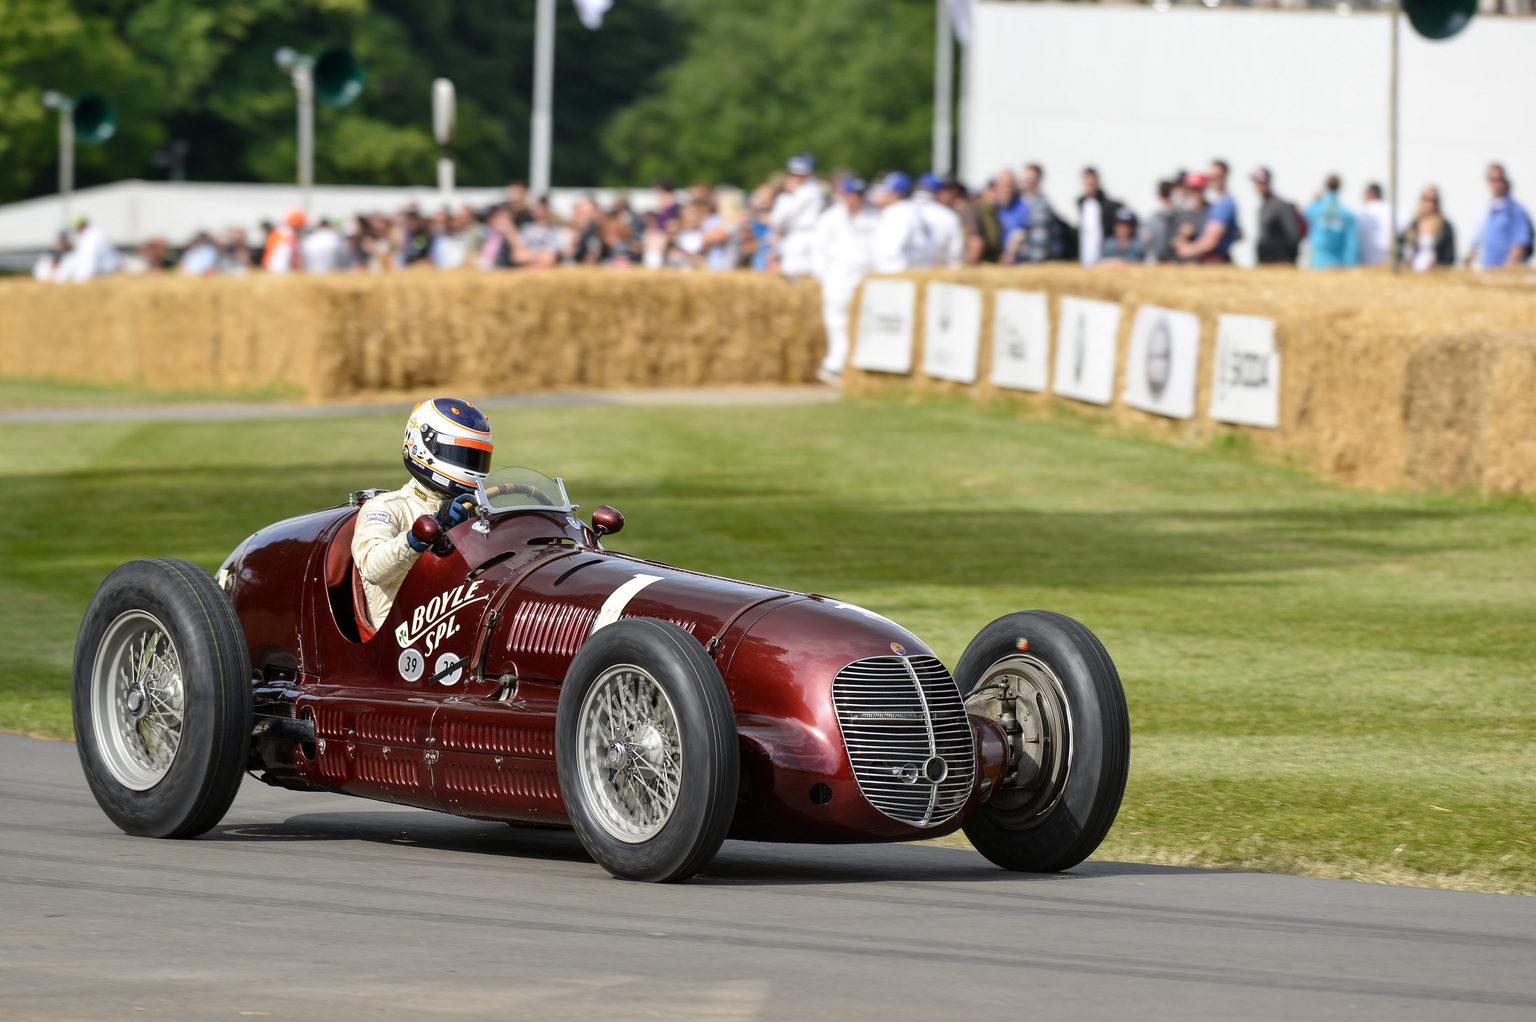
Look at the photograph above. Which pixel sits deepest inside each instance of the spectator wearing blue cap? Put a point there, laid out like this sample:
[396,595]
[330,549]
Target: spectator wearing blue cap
[845,236]
[794,215]
[899,238]
[942,235]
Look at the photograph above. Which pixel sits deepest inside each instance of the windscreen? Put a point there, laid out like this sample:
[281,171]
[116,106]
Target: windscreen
[508,489]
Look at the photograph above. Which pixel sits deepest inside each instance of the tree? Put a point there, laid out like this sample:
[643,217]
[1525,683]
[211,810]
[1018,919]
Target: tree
[852,81]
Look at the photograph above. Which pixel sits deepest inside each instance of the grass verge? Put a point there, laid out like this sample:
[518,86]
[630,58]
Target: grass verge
[1320,681]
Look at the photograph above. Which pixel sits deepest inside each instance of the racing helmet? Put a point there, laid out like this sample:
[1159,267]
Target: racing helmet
[448,445]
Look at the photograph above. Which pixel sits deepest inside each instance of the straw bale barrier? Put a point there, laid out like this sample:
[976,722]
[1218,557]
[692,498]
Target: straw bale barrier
[337,336]
[1424,382]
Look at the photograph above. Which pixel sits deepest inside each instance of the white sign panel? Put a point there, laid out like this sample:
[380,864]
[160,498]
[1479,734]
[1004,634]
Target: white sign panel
[1160,367]
[951,332]
[885,326]
[1085,350]
[1245,387]
[1021,339]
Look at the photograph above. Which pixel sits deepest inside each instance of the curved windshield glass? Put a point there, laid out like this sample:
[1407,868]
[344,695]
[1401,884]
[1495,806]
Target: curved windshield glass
[522,489]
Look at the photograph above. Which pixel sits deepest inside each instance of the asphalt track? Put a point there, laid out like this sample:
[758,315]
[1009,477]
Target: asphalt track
[240,411]
[325,907]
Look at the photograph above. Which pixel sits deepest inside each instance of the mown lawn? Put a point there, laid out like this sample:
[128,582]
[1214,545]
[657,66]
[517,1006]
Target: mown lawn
[1320,681]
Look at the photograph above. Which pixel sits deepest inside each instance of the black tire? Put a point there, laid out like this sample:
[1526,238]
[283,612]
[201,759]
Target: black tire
[705,739]
[1066,822]
[208,763]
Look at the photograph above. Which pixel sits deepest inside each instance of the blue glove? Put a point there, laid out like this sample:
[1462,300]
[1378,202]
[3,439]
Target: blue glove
[414,543]
[455,512]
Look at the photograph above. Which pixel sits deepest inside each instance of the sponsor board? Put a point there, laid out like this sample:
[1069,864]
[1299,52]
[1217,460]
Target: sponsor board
[1161,364]
[884,344]
[951,332]
[1021,339]
[1245,382]
[1085,350]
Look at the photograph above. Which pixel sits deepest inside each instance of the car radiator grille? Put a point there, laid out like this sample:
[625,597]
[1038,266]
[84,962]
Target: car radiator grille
[898,714]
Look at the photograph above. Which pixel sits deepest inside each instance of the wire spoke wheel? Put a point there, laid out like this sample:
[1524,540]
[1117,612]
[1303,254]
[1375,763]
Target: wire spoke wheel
[1023,696]
[631,753]
[139,700]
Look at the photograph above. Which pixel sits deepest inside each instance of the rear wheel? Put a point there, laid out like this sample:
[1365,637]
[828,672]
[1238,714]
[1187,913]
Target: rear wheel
[646,744]
[162,702]
[1049,684]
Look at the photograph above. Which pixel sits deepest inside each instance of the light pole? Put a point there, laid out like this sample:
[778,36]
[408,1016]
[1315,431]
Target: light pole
[301,69]
[443,116]
[66,107]
[543,97]
[943,85]
[1392,140]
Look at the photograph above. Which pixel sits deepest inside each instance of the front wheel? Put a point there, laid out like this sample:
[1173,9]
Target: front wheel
[1048,683]
[645,739]
[162,699]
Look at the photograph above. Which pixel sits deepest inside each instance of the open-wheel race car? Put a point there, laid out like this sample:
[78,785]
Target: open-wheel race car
[527,674]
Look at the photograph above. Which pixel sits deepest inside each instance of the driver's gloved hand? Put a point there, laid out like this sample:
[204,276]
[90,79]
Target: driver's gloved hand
[453,513]
[414,543]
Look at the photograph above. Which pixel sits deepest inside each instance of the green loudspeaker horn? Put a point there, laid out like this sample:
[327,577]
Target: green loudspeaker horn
[1439,19]
[338,77]
[94,119]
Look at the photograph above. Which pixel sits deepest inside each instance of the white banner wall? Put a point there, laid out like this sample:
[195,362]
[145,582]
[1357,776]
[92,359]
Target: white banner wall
[1021,340]
[1161,363]
[886,314]
[951,332]
[1245,381]
[1140,93]
[1085,350]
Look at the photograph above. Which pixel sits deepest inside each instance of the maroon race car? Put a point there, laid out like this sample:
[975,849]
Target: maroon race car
[527,674]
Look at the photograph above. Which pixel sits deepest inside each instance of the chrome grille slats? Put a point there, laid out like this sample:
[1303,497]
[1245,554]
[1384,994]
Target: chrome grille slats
[897,711]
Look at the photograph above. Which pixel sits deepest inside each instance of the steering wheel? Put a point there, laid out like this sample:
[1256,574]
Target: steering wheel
[526,488]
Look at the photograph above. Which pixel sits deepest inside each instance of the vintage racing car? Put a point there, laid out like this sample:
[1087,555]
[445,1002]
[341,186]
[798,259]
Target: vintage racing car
[528,674]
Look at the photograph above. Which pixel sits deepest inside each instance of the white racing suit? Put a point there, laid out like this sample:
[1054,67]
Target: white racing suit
[379,545]
[843,242]
[794,216]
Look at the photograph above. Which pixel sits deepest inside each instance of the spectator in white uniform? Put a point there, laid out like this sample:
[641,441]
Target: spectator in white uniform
[91,256]
[943,233]
[1374,222]
[794,215]
[845,237]
[900,239]
[322,249]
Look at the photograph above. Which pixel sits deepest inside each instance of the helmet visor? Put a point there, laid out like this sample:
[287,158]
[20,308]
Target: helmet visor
[472,459]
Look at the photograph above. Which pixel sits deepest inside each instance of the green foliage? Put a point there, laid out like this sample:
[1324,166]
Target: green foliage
[692,88]
[202,70]
[851,81]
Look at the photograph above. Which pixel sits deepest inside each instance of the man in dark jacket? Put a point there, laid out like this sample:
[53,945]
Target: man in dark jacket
[1095,217]
[1280,230]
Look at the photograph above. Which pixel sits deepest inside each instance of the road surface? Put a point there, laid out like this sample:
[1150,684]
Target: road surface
[324,907]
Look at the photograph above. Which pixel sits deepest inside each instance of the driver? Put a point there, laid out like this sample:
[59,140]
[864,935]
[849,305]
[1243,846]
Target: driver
[447,450]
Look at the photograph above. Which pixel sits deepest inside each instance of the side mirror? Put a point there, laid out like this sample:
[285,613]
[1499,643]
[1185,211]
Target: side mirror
[606,521]
[430,533]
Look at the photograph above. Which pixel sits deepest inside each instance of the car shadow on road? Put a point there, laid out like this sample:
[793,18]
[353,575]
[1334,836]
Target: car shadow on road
[739,863]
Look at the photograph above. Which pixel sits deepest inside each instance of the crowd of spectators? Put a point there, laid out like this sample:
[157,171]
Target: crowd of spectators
[840,229]
[773,229]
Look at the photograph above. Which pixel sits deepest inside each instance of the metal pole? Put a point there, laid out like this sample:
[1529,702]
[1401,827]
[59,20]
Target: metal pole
[543,97]
[943,85]
[304,85]
[963,118]
[1392,140]
[66,158]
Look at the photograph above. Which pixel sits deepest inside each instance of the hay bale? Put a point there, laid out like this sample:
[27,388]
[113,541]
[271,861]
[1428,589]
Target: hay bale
[1347,342]
[338,336]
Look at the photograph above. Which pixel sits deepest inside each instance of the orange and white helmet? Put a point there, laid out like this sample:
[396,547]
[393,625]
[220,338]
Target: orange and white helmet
[448,445]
